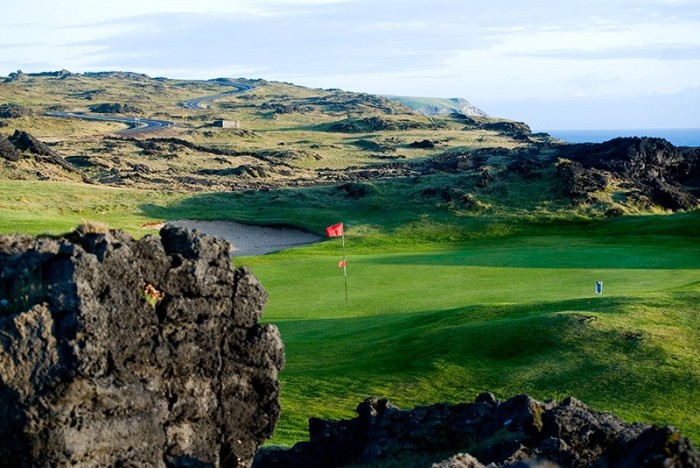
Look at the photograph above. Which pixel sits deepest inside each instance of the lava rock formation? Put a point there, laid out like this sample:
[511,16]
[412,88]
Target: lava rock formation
[123,352]
[518,432]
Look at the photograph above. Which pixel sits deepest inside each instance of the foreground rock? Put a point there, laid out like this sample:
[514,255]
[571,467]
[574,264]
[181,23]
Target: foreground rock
[116,352]
[516,432]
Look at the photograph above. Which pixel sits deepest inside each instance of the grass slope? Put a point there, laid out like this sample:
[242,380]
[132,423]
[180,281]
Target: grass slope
[511,315]
[444,302]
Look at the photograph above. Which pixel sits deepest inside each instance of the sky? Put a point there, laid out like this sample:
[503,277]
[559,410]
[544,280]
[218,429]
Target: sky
[554,64]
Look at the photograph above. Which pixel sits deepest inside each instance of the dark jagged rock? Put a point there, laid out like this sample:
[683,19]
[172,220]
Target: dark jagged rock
[116,108]
[23,141]
[60,74]
[656,166]
[13,111]
[519,432]
[26,142]
[8,150]
[452,162]
[425,144]
[355,190]
[485,179]
[580,182]
[15,76]
[118,352]
[673,196]
[125,75]
[376,124]
[528,167]
[507,127]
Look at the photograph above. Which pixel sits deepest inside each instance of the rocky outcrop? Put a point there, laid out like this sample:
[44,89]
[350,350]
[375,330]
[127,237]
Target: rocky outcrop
[116,108]
[15,76]
[123,352]
[423,144]
[26,142]
[13,111]
[653,165]
[12,148]
[8,151]
[580,182]
[518,130]
[516,432]
[376,124]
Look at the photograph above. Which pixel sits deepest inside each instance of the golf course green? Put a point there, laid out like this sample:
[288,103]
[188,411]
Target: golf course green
[510,314]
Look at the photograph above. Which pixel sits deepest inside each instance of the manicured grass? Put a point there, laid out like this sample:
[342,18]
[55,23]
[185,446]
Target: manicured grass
[510,315]
[445,303]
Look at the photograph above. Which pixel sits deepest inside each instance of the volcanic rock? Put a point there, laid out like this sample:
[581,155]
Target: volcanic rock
[656,166]
[506,127]
[23,141]
[580,182]
[519,431]
[26,142]
[116,108]
[123,352]
[8,150]
[13,111]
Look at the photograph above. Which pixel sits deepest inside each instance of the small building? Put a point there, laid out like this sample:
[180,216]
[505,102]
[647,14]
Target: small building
[227,123]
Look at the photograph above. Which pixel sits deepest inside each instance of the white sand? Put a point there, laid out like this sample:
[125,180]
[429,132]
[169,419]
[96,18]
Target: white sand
[251,240]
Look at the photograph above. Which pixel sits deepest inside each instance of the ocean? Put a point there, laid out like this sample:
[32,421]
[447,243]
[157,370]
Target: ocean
[677,136]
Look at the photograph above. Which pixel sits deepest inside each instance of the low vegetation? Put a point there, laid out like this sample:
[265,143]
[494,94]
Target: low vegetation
[470,266]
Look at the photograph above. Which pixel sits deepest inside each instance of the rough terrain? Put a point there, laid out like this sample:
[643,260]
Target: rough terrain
[117,352]
[519,432]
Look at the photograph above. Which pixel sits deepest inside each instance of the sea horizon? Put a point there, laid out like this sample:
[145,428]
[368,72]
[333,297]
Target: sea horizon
[676,136]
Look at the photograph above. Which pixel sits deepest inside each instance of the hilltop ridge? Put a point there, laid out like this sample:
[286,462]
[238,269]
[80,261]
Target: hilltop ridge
[282,135]
[439,106]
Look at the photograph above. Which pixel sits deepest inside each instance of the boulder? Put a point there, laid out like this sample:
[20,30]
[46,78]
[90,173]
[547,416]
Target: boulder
[115,351]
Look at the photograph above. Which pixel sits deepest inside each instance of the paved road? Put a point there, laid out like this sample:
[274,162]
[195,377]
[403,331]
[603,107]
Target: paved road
[195,103]
[138,124]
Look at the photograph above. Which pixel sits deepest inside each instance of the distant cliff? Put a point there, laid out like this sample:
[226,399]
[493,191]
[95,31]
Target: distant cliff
[439,106]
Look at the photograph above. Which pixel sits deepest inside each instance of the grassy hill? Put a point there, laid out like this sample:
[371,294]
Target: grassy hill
[471,267]
[439,106]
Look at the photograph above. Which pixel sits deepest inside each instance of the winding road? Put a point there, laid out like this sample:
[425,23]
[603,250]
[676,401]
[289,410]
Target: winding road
[138,124]
[195,103]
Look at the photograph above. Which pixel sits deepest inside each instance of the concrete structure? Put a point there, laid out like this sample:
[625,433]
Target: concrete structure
[227,123]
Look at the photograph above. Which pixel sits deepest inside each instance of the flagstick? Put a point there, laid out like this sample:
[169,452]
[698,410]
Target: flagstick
[345,269]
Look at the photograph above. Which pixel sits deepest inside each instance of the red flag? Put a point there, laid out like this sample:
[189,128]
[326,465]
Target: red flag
[341,264]
[335,231]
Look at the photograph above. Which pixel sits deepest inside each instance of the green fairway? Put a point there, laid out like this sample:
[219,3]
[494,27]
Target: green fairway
[444,304]
[510,315]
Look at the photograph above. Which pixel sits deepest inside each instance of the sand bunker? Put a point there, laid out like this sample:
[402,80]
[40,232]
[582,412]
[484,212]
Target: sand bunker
[251,240]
